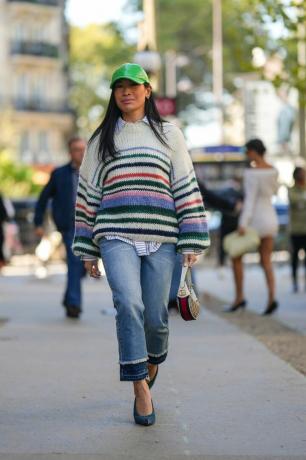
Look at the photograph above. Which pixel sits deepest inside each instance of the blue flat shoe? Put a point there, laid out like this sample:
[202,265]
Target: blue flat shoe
[145,420]
[150,382]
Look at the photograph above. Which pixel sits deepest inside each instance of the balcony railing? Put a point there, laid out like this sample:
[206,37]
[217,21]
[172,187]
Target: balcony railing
[37,2]
[34,49]
[41,105]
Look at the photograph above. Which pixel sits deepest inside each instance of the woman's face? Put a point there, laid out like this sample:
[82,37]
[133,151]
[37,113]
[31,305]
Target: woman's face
[252,155]
[130,97]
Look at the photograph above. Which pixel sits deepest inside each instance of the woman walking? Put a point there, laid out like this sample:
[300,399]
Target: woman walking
[260,184]
[138,203]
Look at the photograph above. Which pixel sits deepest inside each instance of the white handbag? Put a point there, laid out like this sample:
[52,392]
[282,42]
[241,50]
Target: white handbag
[187,301]
[236,245]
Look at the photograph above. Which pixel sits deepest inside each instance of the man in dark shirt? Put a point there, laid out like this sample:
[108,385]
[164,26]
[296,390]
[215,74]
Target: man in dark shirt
[62,189]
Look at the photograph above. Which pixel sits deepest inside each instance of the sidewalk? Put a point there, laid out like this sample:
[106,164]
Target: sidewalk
[292,306]
[221,394]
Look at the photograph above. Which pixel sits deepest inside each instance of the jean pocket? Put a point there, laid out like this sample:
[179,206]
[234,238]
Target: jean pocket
[167,252]
[109,246]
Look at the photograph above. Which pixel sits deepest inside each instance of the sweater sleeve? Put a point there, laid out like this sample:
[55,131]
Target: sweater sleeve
[250,196]
[89,195]
[190,211]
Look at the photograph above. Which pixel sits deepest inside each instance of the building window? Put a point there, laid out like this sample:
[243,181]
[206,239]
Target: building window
[22,86]
[19,32]
[43,146]
[25,147]
[38,33]
[39,89]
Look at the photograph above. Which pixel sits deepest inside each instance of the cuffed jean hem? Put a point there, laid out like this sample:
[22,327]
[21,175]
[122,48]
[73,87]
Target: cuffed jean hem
[157,359]
[133,372]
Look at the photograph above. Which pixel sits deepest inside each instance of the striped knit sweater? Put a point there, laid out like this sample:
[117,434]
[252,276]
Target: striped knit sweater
[147,193]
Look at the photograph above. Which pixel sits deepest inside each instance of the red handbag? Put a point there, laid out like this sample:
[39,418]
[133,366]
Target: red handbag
[187,301]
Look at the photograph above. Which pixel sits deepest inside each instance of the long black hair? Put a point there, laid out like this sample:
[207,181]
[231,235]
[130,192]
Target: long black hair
[106,130]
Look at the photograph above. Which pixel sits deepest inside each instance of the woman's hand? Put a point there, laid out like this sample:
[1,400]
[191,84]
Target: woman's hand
[241,230]
[190,259]
[238,207]
[40,232]
[91,266]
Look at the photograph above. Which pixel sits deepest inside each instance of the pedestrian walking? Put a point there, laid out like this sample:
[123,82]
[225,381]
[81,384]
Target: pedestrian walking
[297,203]
[260,184]
[138,203]
[62,189]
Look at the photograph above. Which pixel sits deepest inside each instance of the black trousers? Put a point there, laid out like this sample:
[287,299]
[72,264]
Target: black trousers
[2,258]
[228,225]
[298,242]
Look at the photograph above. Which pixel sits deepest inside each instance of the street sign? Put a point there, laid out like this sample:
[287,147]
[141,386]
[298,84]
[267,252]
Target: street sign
[166,106]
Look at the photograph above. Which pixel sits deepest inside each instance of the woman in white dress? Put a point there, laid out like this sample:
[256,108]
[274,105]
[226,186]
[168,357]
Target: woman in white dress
[260,184]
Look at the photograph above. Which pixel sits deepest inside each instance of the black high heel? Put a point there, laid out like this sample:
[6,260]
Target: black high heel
[150,382]
[236,306]
[270,308]
[145,420]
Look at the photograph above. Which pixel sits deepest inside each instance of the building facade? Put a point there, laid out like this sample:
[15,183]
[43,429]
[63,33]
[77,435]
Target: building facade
[34,78]
[271,116]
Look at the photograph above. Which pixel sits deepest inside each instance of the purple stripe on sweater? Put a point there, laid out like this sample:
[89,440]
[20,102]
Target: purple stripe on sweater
[138,193]
[199,228]
[82,231]
[138,201]
[81,224]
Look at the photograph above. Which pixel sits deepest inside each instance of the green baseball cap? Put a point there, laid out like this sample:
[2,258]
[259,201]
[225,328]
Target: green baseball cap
[132,72]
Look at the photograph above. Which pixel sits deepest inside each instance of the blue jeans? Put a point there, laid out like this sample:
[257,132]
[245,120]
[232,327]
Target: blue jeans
[140,288]
[75,272]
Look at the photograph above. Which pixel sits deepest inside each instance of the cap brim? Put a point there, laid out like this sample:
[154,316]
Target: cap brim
[139,81]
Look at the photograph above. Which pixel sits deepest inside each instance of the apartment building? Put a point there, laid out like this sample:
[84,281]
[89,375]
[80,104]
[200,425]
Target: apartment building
[34,78]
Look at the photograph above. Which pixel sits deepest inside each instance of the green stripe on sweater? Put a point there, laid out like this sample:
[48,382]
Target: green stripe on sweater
[107,219]
[194,236]
[83,215]
[190,211]
[186,185]
[129,182]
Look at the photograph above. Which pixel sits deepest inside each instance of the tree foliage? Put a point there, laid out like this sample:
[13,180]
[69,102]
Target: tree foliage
[186,27]
[289,16]
[16,180]
[95,51]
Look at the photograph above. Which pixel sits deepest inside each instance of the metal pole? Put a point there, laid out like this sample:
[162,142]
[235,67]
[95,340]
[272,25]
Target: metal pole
[301,57]
[149,14]
[217,50]
[170,74]
[302,131]
[218,58]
